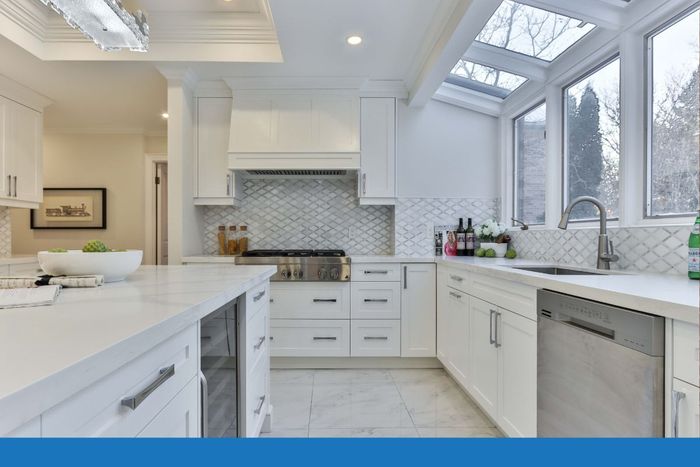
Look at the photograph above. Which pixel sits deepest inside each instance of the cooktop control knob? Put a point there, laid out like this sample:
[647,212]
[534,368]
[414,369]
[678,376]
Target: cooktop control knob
[323,274]
[295,274]
[284,273]
[334,274]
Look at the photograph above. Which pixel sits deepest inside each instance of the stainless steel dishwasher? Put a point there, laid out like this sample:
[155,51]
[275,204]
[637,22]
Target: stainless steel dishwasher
[600,369]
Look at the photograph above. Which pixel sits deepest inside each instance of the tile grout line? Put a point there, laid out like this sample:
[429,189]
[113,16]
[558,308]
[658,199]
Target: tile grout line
[311,403]
[413,422]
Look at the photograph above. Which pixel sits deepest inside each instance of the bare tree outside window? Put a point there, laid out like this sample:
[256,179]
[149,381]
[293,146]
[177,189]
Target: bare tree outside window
[530,165]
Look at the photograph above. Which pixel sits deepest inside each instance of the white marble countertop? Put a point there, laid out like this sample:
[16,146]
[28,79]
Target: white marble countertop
[392,259]
[204,259]
[669,295]
[18,259]
[49,353]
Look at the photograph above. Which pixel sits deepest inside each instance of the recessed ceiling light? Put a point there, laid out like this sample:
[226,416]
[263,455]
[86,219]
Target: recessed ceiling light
[354,40]
[165,115]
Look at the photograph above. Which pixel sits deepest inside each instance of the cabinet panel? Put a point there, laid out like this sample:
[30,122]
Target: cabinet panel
[685,417]
[442,316]
[378,148]
[294,123]
[686,352]
[310,338]
[253,124]
[25,149]
[458,334]
[513,296]
[375,338]
[337,120]
[5,166]
[375,272]
[179,419]
[483,364]
[213,126]
[517,337]
[418,310]
[310,300]
[376,300]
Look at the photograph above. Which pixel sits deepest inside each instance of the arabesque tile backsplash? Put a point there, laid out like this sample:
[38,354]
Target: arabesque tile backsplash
[5,232]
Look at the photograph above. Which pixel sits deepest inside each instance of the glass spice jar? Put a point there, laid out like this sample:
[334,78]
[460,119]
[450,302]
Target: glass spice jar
[232,240]
[243,239]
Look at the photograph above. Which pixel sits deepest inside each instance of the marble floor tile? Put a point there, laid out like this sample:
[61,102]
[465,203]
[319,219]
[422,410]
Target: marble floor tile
[291,405]
[358,405]
[464,432]
[292,376]
[352,376]
[420,376]
[303,433]
[363,433]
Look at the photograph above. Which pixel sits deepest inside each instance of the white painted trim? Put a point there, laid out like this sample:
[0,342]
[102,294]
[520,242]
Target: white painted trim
[502,59]
[468,99]
[150,205]
[353,362]
[14,91]
[603,15]
[308,83]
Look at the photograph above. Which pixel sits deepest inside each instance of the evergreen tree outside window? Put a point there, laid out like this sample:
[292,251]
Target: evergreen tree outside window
[673,127]
[530,165]
[592,140]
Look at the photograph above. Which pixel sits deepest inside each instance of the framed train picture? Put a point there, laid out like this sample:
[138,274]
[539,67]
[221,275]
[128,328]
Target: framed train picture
[71,208]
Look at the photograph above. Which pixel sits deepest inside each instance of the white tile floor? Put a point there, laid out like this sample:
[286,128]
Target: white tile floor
[373,403]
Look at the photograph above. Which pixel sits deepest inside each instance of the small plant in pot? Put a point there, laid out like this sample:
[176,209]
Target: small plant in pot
[494,239]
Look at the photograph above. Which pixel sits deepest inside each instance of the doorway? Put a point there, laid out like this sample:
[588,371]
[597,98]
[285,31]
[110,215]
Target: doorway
[156,220]
[161,240]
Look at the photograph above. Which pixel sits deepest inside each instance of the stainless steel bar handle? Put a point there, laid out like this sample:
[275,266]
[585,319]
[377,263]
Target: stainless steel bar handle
[376,300]
[405,277]
[228,185]
[376,271]
[325,338]
[364,183]
[258,296]
[456,278]
[376,338]
[497,332]
[455,295]
[205,405]
[677,398]
[15,179]
[136,400]
[260,342]
[261,402]
[325,300]
[491,339]
[9,185]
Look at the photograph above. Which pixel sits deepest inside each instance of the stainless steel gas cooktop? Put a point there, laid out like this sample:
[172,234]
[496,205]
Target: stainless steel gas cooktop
[302,265]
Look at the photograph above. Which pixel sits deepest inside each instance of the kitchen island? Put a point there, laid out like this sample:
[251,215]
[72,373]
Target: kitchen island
[49,354]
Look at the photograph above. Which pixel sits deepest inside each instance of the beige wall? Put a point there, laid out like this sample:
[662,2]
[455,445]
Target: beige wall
[115,162]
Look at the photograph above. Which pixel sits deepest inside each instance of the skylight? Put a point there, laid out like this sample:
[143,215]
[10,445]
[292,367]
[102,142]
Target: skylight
[492,81]
[532,31]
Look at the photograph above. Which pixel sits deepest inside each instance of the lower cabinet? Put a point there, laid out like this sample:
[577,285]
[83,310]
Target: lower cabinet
[418,310]
[685,411]
[483,364]
[375,338]
[179,419]
[457,333]
[310,338]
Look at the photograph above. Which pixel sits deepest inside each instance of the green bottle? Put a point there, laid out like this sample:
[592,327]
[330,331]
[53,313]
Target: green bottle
[694,250]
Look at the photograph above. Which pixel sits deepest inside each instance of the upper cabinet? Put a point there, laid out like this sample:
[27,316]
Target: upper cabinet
[377,175]
[282,130]
[215,184]
[21,133]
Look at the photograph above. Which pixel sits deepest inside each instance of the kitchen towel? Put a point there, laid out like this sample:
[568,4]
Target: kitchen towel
[64,281]
[25,297]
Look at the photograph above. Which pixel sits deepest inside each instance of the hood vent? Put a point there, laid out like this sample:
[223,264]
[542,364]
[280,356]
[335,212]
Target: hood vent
[293,173]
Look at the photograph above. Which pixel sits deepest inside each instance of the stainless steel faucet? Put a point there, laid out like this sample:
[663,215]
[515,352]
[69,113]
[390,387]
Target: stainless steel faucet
[606,253]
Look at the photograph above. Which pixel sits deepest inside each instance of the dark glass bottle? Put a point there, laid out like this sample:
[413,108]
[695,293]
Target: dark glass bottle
[470,238]
[461,239]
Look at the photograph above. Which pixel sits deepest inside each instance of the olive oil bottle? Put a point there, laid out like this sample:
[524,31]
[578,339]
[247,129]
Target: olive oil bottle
[694,250]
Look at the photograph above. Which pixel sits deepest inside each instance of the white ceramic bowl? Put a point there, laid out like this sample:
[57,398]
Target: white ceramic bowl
[113,265]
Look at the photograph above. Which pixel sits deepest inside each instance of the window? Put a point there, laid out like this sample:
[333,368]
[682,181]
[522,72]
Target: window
[672,119]
[592,140]
[530,165]
[492,81]
[532,31]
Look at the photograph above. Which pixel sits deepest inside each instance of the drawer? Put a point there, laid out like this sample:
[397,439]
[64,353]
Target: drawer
[255,298]
[513,296]
[375,300]
[686,352]
[458,280]
[31,429]
[179,419]
[256,341]
[310,301]
[98,410]
[309,338]
[375,338]
[369,272]
[256,400]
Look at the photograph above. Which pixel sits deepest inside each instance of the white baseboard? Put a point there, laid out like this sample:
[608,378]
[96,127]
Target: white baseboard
[352,362]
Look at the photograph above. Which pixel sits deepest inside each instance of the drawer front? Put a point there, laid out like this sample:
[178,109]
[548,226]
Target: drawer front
[255,298]
[376,300]
[685,416]
[310,338]
[98,410]
[257,400]
[458,280]
[375,338]
[179,419]
[686,352]
[380,272]
[310,301]
[257,339]
[513,296]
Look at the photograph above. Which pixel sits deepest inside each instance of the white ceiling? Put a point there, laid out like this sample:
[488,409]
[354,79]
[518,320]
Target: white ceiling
[151,6]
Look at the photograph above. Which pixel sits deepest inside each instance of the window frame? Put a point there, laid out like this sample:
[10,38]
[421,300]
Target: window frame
[515,162]
[649,116]
[564,185]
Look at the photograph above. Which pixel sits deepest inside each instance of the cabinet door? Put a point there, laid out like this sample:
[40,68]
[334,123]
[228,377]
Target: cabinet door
[442,316]
[418,310]
[213,126]
[253,125]
[4,143]
[25,152]
[685,412]
[483,364]
[517,368]
[179,419]
[378,148]
[337,119]
[458,334]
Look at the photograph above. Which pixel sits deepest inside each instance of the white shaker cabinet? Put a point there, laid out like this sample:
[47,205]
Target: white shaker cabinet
[483,364]
[457,334]
[215,184]
[418,313]
[685,410]
[21,159]
[377,176]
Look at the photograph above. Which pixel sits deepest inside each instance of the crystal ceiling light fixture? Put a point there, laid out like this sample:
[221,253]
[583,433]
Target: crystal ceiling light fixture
[106,22]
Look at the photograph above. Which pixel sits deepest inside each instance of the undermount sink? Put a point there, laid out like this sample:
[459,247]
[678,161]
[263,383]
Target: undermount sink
[558,271]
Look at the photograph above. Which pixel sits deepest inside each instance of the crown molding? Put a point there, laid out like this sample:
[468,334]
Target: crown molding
[468,99]
[292,83]
[23,95]
[179,75]
[384,88]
